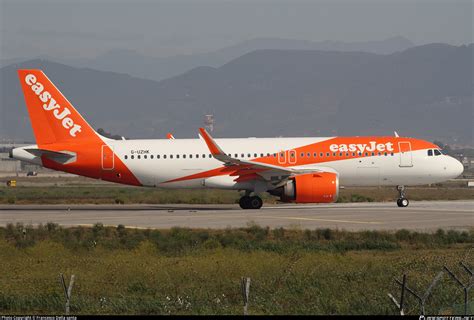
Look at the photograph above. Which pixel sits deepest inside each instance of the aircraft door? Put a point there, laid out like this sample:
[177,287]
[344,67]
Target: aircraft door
[292,157]
[107,157]
[406,158]
[282,157]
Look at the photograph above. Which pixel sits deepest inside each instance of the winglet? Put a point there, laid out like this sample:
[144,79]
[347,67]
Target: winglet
[211,144]
[170,136]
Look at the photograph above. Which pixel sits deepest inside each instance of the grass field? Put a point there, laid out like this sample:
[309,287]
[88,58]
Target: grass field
[183,271]
[107,194]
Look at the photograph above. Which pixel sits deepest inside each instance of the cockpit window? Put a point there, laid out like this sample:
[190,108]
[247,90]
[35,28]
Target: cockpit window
[437,152]
[430,152]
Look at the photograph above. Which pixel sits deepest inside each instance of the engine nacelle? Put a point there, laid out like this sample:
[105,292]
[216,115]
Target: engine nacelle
[321,187]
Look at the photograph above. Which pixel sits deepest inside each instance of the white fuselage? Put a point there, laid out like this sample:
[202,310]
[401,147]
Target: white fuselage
[191,156]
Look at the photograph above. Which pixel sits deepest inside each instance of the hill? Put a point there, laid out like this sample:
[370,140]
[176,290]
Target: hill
[142,66]
[424,91]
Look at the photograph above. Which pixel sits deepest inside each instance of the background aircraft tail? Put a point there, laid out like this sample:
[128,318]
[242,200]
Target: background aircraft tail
[53,117]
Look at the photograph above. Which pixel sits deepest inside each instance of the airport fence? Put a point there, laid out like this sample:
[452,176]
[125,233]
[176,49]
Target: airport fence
[421,297]
[409,301]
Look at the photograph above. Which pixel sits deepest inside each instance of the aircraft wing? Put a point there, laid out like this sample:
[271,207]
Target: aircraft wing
[249,170]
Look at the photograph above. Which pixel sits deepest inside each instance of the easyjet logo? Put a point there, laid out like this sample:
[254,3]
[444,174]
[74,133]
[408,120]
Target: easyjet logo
[362,147]
[51,105]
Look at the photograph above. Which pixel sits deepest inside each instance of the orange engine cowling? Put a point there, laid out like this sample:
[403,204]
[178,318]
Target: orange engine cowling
[321,187]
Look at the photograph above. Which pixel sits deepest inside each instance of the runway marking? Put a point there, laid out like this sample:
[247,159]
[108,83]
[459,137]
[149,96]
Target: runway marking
[369,208]
[322,220]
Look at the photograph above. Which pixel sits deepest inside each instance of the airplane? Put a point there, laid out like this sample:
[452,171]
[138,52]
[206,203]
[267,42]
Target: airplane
[297,170]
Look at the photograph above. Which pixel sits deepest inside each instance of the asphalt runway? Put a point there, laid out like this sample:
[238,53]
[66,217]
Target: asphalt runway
[421,215]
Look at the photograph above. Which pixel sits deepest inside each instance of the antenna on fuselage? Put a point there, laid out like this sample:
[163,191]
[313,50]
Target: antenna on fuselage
[396,134]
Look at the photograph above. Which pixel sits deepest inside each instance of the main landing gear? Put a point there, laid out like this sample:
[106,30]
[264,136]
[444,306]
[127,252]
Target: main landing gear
[402,201]
[250,202]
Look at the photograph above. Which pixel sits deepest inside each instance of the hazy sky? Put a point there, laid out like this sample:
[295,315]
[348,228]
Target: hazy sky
[161,28]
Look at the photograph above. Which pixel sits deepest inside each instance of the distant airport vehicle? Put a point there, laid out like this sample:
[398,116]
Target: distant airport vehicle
[300,170]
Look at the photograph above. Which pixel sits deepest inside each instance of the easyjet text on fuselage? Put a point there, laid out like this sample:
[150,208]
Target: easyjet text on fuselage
[372,146]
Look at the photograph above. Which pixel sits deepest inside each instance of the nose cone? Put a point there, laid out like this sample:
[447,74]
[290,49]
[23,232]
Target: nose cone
[455,168]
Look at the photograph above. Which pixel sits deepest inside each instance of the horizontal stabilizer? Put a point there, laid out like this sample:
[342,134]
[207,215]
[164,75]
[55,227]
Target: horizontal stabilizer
[63,157]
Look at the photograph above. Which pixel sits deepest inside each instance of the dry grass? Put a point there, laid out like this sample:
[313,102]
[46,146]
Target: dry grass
[182,271]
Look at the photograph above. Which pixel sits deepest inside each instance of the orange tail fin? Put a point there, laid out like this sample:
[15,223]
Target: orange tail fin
[53,117]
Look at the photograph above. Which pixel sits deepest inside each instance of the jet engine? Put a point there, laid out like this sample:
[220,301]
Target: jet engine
[320,187]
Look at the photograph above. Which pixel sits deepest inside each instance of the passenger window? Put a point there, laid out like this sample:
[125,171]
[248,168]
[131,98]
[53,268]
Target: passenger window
[333,154]
[133,157]
[144,156]
[268,154]
[321,154]
[315,154]
[177,156]
[210,155]
[171,156]
[302,154]
[373,153]
[353,154]
[236,155]
[261,155]
[255,155]
[203,155]
[164,156]
[138,157]
[436,152]
[327,154]
[126,157]
[430,153]
[190,156]
[340,154]
[366,154]
[197,156]
[152,156]
[248,155]
[274,155]
[184,156]
[360,153]
[242,155]
[385,154]
[157,156]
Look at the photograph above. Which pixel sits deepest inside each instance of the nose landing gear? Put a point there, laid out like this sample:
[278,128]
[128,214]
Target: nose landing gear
[248,202]
[402,201]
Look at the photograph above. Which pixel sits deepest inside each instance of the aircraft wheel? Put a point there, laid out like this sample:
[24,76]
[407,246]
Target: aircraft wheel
[255,202]
[244,202]
[403,202]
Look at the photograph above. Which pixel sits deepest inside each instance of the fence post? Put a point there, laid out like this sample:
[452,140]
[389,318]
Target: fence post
[67,291]
[422,299]
[402,296]
[245,286]
[465,287]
